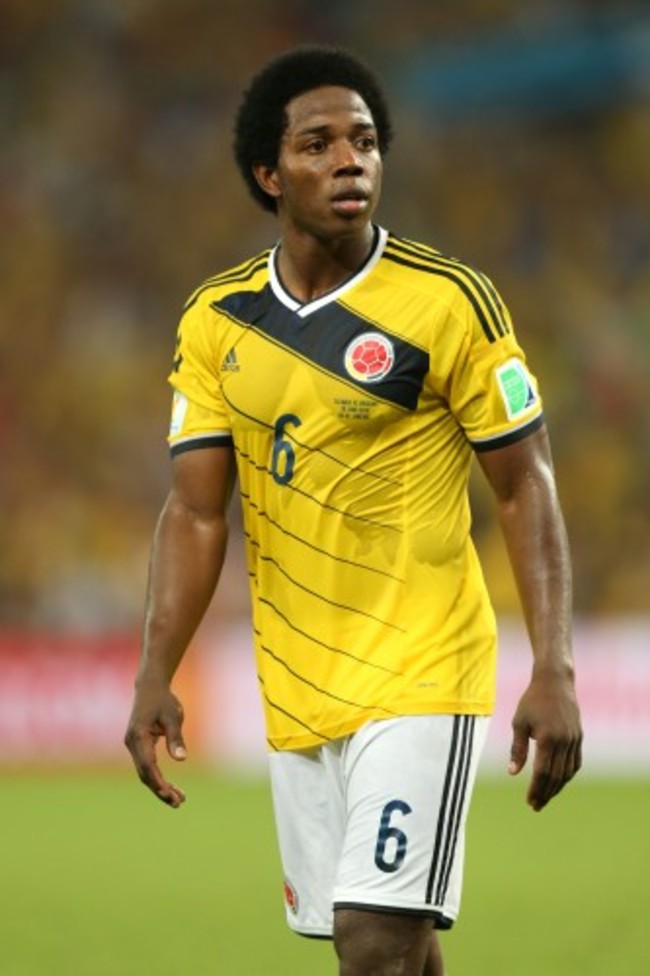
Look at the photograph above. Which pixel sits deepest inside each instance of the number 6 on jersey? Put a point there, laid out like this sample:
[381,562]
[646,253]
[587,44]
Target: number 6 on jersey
[283,457]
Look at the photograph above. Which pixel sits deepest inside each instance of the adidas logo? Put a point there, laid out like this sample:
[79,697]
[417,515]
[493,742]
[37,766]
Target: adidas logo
[230,364]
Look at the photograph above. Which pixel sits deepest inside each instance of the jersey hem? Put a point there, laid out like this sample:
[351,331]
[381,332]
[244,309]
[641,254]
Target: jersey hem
[297,743]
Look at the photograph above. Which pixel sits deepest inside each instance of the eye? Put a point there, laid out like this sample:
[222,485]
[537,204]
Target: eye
[315,145]
[367,142]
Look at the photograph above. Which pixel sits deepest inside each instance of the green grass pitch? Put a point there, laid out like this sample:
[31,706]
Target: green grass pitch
[99,879]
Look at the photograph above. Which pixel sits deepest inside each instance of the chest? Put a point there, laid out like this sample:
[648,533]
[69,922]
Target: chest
[333,367]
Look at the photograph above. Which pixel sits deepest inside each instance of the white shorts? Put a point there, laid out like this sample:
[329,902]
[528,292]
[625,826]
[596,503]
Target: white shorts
[377,820]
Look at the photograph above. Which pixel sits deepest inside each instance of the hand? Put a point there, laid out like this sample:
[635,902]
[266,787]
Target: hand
[156,712]
[548,712]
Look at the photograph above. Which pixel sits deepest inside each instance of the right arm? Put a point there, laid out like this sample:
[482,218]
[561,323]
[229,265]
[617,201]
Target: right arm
[187,556]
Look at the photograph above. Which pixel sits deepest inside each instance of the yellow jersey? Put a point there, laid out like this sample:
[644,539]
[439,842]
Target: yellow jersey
[354,419]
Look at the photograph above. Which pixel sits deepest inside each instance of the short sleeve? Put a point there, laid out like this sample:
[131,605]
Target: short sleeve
[492,393]
[199,417]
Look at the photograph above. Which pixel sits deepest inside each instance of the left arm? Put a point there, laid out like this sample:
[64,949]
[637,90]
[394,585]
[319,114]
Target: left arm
[521,476]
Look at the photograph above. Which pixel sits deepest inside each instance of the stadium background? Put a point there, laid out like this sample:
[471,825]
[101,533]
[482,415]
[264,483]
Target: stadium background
[522,145]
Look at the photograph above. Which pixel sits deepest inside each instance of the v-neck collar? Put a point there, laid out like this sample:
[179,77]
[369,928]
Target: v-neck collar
[304,309]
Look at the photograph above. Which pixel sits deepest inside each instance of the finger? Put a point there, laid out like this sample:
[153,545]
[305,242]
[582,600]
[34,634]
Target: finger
[172,724]
[518,751]
[167,792]
[175,745]
[563,762]
[549,772]
[143,752]
[573,762]
[172,795]
[576,755]
[539,790]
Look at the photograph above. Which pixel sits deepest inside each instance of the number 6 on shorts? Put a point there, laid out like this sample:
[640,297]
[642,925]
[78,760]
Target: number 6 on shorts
[387,832]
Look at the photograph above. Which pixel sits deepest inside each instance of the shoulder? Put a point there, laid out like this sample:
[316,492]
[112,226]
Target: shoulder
[250,274]
[424,259]
[464,289]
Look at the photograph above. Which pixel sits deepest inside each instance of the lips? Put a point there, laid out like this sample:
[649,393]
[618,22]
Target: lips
[353,193]
[350,201]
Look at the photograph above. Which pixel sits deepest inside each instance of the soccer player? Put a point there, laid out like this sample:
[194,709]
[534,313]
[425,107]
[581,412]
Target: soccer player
[346,378]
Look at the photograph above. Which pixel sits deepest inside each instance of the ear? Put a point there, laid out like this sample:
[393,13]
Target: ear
[267,177]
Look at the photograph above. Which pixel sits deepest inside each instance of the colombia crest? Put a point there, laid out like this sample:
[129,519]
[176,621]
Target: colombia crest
[369,357]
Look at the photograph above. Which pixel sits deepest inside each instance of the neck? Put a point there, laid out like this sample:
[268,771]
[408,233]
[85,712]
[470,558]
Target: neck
[310,267]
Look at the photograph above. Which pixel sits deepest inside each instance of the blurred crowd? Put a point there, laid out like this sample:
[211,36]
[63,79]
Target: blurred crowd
[118,195]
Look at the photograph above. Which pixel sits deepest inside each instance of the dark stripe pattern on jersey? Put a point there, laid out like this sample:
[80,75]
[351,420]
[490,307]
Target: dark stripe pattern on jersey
[322,338]
[308,496]
[478,290]
[262,514]
[294,718]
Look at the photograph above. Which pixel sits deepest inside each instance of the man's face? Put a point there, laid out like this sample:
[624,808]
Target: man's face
[328,178]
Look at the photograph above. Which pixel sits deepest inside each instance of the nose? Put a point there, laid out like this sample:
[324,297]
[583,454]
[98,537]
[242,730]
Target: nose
[346,159]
